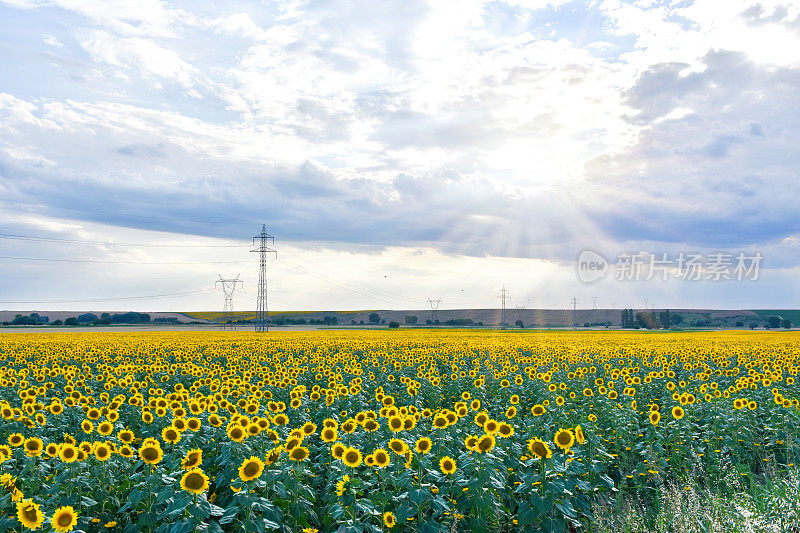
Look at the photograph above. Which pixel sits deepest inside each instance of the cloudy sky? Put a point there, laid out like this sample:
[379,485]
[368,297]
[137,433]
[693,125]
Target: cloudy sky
[396,150]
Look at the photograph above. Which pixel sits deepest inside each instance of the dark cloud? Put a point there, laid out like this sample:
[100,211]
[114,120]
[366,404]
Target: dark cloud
[724,174]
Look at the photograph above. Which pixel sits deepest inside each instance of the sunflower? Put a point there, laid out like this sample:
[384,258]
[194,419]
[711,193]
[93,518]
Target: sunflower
[192,459]
[470,442]
[337,450]
[381,458]
[328,434]
[67,452]
[126,436]
[293,442]
[194,481]
[655,417]
[236,433]
[193,423]
[87,426]
[341,485]
[171,434]
[389,520]
[126,451]
[678,412]
[64,519]
[491,426]
[29,515]
[564,438]
[105,428]
[300,453]
[16,439]
[33,447]
[538,410]
[398,446]
[8,481]
[273,455]
[485,443]
[579,436]
[539,448]
[505,430]
[251,468]
[151,453]
[447,465]
[102,451]
[423,445]
[352,457]
[440,421]
[395,424]
[51,450]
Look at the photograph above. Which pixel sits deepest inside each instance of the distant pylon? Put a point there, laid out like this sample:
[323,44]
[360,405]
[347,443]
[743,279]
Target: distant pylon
[520,311]
[434,309]
[503,296]
[574,311]
[228,288]
[261,243]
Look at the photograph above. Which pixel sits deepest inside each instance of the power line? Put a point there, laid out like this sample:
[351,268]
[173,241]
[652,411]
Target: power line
[117,213]
[113,299]
[49,259]
[343,285]
[353,283]
[112,243]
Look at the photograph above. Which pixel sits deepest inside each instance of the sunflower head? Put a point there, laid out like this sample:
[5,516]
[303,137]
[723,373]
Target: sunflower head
[352,457]
[33,447]
[102,451]
[485,443]
[193,459]
[579,436]
[398,446]
[64,519]
[28,514]
[151,453]
[251,468]
[381,457]
[194,481]
[564,438]
[299,453]
[539,448]
[447,465]
[423,445]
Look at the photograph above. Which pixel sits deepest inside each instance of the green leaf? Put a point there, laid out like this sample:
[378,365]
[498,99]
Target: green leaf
[566,509]
[418,495]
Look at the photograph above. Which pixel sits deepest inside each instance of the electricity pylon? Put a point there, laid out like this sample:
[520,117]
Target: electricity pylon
[228,288]
[262,243]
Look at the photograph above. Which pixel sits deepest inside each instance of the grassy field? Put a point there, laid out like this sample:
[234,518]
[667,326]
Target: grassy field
[399,431]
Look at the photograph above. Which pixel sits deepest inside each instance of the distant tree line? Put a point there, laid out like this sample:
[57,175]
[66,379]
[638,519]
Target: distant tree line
[34,319]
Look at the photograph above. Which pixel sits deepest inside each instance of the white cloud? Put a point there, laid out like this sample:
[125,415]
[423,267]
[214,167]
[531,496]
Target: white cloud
[450,126]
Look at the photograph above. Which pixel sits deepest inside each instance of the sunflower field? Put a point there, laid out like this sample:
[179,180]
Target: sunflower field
[391,430]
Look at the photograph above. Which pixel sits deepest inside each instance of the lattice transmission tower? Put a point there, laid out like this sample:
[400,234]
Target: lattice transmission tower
[434,309]
[262,243]
[503,296]
[228,288]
